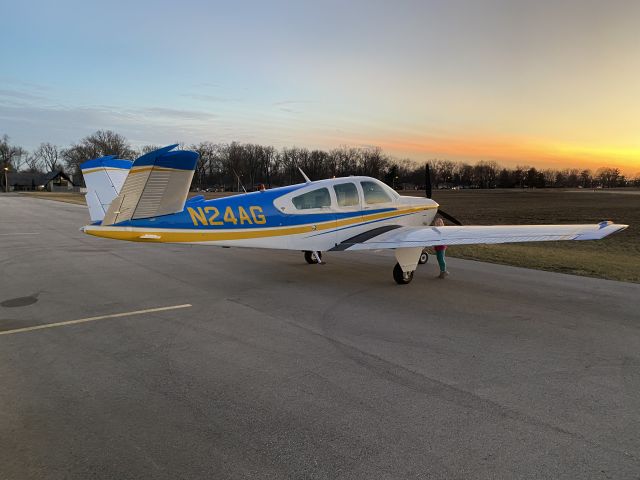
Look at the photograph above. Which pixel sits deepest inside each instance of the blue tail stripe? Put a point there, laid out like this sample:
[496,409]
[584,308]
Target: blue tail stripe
[109,161]
[165,158]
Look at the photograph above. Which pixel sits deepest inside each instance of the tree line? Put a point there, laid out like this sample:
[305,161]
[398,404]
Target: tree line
[234,166]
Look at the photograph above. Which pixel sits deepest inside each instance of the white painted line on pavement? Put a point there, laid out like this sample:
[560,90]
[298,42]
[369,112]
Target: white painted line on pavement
[20,233]
[93,319]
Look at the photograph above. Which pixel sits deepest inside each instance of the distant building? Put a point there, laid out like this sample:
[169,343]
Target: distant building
[55,181]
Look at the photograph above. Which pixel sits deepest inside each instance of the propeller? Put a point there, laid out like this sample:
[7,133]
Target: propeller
[449,217]
[428,193]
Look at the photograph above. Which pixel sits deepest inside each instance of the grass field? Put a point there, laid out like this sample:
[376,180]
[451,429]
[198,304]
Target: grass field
[77,198]
[616,257]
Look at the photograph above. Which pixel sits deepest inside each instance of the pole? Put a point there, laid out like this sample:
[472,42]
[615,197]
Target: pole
[6,182]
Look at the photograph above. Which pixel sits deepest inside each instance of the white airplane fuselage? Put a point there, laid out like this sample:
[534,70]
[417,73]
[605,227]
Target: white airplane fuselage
[316,216]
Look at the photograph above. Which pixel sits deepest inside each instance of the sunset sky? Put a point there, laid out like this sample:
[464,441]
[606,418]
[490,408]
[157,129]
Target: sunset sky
[544,83]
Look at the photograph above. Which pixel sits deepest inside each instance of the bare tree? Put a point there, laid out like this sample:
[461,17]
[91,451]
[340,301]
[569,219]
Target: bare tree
[435,173]
[374,162]
[485,174]
[466,175]
[608,177]
[586,178]
[553,177]
[49,156]
[33,163]
[99,144]
[11,156]
[146,149]
[206,151]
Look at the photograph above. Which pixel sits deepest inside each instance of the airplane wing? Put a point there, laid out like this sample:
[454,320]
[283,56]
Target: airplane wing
[411,237]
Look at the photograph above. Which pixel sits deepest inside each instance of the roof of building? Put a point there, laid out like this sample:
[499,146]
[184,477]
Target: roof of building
[28,179]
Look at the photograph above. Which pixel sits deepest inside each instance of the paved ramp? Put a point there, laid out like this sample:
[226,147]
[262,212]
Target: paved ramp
[123,360]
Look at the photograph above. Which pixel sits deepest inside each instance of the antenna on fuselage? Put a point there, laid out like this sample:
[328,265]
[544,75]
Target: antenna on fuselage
[239,181]
[306,179]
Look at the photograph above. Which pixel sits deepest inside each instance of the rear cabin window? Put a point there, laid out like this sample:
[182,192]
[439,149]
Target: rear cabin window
[347,194]
[314,199]
[374,193]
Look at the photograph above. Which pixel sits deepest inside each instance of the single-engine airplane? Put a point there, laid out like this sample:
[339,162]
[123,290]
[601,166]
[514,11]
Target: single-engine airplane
[146,201]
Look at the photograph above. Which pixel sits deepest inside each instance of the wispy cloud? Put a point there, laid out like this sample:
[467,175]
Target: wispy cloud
[209,98]
[21,83]
[290,102]
[290,106]
[172,113]
[20,95]
[207,85]
[67,124]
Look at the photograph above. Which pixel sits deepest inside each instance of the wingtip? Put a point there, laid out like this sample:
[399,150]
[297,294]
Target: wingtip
[604,229]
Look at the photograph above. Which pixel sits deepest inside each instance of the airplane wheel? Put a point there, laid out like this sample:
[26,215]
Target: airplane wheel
[311,258]
[401,277]
[424,257]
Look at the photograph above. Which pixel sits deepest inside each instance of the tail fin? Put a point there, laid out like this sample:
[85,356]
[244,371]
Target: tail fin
[104,178]
[157,184]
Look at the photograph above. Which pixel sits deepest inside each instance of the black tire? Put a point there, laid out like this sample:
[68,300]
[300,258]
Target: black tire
[400,277]
[311,258]
[424,257]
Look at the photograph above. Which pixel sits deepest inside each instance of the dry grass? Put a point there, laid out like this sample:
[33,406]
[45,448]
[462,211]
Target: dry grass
[616,257]
[77,198]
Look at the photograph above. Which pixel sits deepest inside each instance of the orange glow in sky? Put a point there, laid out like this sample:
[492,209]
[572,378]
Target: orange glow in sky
[511,152]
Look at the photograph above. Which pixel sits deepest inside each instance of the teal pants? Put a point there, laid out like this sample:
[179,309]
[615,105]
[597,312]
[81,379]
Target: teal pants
[441,262]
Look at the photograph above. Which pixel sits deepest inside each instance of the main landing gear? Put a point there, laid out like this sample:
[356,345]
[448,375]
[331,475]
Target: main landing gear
[408,260]
[402,278]
[313,257]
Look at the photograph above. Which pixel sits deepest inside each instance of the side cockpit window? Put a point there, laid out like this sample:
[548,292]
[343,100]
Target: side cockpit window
[347,194]
[374,193]
[314,199]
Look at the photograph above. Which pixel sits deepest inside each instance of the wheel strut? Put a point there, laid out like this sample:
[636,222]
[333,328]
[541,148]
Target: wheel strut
[313,257]
[401,277]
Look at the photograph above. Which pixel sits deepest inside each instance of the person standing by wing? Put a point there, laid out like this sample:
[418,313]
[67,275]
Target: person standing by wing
[440,250]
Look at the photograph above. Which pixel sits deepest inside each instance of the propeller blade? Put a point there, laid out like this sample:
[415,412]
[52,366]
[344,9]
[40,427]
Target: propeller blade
[449,217]
[427,181]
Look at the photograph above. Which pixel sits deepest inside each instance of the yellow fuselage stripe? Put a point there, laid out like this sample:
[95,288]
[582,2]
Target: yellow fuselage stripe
[100,169]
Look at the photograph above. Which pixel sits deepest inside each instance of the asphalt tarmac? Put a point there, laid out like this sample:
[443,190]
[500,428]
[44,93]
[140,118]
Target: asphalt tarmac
[265,367]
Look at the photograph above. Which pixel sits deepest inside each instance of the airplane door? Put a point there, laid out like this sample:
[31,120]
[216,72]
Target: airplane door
[348,210]
[315,212]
